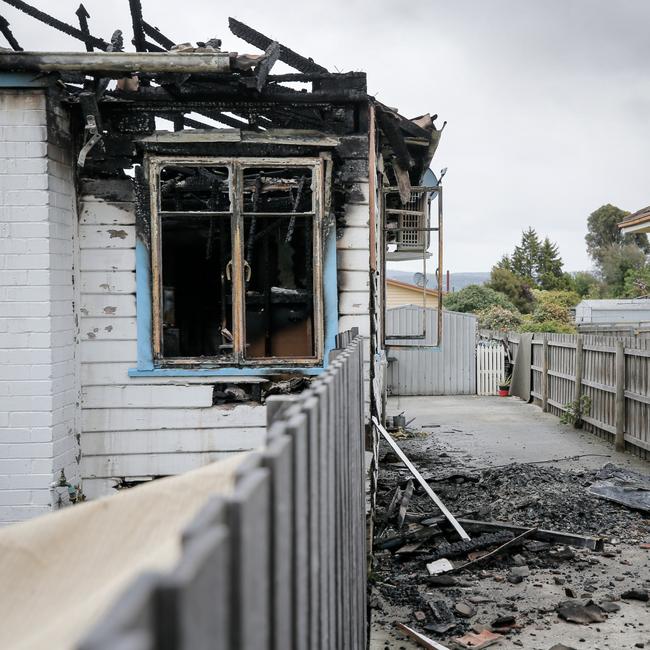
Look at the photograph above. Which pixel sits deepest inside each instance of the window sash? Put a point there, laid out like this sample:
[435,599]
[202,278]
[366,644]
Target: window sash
[236,168]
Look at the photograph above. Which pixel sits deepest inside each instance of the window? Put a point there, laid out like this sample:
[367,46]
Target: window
[236,261]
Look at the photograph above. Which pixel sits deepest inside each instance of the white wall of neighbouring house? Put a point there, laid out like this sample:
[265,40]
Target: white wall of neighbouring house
[38,383]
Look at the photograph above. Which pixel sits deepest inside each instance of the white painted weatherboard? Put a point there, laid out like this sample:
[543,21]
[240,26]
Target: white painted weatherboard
[138,427]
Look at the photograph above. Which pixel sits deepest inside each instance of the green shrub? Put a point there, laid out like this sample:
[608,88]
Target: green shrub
[498,318]
[475,298]
[550,326]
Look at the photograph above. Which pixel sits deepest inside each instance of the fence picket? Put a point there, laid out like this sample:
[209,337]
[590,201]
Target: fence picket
[281,562]
[490,367]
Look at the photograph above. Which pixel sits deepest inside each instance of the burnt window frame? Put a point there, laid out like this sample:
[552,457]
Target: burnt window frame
[236,166]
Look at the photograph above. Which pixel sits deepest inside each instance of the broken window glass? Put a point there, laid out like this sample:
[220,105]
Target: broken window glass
[194,189]
[234,268]
[279,288]
[278,189]
[196,286]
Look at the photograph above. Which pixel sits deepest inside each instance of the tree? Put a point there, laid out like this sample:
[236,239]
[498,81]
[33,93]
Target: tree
[537,263]
[616,260]
[587,285]
[474,298]
[549,266]
[524,261]
[637,282]
[517,289]
[603,233]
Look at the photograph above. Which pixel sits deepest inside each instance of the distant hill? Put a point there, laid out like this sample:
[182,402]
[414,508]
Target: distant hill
[457,280]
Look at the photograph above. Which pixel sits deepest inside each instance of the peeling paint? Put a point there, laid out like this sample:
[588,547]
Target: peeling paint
[117,234]
[91,335]
[105,286]
[110,310]
[109,328]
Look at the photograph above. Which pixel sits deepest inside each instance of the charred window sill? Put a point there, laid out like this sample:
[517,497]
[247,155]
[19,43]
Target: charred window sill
[227,373]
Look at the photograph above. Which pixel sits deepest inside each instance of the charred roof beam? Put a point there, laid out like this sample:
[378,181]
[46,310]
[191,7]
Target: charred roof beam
[138,28]
[83,16]
[7,33]
[259,40]
[390,126]
[155,34]
[99,43]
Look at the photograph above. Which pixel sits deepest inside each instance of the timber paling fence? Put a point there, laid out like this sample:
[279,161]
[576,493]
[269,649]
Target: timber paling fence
[279,563]
[614,372]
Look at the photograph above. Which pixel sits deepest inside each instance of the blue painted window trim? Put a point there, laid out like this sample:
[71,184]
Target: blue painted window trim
[24,80]
[146,366]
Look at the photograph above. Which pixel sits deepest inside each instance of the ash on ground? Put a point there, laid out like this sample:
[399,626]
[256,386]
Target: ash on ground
[532,593]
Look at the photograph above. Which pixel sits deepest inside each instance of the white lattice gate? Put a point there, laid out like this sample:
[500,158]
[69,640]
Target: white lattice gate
[490,367]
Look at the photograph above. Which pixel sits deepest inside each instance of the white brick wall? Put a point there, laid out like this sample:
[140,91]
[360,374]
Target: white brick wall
[38,368]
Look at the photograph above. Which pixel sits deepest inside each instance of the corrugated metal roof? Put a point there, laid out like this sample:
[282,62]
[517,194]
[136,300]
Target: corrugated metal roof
[631,304]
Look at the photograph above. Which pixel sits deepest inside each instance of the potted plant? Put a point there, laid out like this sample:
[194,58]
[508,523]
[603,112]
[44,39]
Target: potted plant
[504,387]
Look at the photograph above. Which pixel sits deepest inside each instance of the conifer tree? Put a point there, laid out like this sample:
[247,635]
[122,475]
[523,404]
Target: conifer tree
[525,258]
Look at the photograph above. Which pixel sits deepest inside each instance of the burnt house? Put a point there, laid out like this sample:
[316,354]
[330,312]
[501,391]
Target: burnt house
[185,231]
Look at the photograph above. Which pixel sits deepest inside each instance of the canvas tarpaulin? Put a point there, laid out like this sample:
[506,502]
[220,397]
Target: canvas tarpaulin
[520,385]
[59,572]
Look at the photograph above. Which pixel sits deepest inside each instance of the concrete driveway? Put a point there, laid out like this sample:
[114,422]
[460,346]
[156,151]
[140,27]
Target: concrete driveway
[501,430]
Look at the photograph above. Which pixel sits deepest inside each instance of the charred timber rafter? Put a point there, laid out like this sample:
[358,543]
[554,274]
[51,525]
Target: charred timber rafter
[262,71]
[316,76]
[83,16]
[99,43]
[157,35]
[7,33]
[224,92]
[259,40]
[152,47]
[390,126]
[138,29]
[195,124]
[229,120]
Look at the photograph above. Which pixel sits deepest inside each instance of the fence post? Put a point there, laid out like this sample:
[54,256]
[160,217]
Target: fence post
[577,392]
[620,396]
[545,374]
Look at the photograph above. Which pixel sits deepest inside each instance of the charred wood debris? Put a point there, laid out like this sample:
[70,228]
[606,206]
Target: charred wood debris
[529,525]
[116,101]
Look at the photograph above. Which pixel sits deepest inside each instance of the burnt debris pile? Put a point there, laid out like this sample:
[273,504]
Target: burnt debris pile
[543,549]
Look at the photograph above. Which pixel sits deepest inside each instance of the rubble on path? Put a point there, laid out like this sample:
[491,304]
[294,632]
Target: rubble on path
[475,595]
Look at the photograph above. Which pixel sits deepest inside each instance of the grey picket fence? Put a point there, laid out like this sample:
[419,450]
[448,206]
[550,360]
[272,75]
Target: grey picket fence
[612,371]
[280,563]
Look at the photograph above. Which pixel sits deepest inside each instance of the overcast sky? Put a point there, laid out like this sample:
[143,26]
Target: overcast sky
[547,101]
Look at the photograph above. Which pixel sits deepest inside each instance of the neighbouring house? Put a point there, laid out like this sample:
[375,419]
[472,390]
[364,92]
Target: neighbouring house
[636,222]
[627,317]
[184,234]
[399,294]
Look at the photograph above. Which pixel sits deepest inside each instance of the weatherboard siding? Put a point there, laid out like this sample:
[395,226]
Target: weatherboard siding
[138,427]
[353,270]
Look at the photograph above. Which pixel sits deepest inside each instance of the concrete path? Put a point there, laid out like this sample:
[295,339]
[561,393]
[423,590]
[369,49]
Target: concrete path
[490,431]
[501,430]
